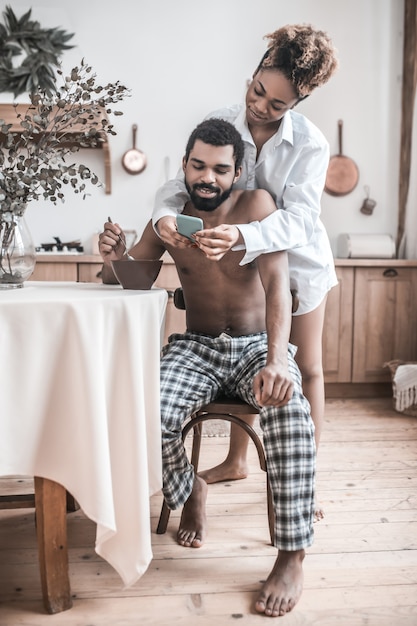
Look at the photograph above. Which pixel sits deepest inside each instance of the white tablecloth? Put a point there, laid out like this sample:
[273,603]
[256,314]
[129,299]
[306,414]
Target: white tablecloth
[79,404]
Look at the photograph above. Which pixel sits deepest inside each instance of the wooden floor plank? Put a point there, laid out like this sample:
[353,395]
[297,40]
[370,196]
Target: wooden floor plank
[204,609]
[361,570]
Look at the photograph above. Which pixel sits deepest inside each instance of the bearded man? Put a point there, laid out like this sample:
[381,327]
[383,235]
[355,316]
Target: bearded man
[237,344]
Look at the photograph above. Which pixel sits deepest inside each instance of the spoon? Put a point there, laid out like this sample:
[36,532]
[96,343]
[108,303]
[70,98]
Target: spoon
[130,258]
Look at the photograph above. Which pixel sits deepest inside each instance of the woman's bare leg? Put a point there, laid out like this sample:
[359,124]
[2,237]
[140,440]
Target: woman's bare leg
[235,465]
[306,334]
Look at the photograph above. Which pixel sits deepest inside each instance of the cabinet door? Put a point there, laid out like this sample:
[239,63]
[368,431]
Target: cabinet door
[385,321]
[55,271]
[338,327]
[89,272]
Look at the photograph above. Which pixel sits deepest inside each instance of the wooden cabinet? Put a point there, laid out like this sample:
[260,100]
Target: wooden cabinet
[370,319]
[89,272]
[81,268]
[385,320]
[55,271]
[338,329]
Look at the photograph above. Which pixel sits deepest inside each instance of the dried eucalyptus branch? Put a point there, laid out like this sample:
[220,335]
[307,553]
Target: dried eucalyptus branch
[33,159]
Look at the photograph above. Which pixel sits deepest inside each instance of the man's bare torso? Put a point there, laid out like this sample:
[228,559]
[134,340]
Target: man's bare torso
[223,296]
[220,296]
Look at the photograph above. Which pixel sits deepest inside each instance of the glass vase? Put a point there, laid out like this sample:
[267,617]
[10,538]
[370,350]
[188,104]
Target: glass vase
[17,251]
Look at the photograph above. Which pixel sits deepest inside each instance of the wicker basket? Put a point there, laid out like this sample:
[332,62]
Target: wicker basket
[404,386]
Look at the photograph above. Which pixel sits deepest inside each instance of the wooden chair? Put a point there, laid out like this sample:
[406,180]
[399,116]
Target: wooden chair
[230,410]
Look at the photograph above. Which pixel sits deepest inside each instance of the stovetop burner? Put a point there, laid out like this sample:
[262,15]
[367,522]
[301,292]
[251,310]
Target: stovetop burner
[59,246]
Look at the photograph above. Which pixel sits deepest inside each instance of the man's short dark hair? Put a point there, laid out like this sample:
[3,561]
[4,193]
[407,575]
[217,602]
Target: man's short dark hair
[217,132]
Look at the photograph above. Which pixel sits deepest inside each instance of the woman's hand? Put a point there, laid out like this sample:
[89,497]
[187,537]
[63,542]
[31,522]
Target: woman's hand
[215,242]
[166,228]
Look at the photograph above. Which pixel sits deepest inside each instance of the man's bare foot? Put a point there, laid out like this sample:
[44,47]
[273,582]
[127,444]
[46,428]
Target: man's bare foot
[193,524]
[225,471]
[284,585]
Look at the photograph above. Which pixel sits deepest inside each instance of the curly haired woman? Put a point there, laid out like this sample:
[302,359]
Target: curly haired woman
[288,156]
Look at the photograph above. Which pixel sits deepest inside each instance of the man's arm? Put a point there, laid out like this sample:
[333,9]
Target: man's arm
[149,246]
[273,385]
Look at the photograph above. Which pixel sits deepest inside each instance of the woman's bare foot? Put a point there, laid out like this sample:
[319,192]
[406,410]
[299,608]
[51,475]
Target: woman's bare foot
[284,585]
[225,471]
[318,514]
[193,524]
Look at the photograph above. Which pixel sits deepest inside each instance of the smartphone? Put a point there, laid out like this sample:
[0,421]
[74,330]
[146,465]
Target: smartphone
[188,225]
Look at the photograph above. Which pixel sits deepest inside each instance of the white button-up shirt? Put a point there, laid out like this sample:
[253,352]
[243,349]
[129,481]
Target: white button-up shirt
[292,166]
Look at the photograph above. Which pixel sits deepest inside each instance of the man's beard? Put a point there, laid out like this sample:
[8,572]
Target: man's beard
[207,204]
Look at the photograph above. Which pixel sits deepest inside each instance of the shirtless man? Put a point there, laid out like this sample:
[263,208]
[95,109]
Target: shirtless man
[238,325]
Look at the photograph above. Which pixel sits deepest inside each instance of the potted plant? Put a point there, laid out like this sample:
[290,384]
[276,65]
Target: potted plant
[35,152]
[41,49]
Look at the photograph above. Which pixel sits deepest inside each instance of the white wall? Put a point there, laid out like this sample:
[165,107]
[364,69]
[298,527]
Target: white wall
[184,58]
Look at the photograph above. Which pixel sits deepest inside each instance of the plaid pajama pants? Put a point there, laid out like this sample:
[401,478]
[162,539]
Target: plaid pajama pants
[195,368]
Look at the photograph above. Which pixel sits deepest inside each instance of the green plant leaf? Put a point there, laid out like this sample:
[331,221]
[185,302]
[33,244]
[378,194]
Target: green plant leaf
[40,48]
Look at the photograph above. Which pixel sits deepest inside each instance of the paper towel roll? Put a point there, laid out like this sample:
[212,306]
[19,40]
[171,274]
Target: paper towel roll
[365,246]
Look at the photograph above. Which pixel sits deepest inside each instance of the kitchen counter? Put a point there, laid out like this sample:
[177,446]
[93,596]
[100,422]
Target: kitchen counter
[375,262]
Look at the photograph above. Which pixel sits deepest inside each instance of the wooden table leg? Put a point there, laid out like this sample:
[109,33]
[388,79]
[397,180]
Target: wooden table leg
[51,526]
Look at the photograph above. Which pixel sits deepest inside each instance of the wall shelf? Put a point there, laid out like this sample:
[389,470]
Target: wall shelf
[8,112]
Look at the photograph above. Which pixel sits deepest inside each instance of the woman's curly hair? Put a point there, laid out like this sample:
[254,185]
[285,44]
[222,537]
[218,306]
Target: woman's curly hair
[304,55]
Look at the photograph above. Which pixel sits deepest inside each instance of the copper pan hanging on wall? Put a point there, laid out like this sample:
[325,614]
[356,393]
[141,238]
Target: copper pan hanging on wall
[134,161]
[342,174]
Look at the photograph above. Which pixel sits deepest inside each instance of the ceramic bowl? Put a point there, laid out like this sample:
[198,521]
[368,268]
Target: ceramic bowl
[136,274]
